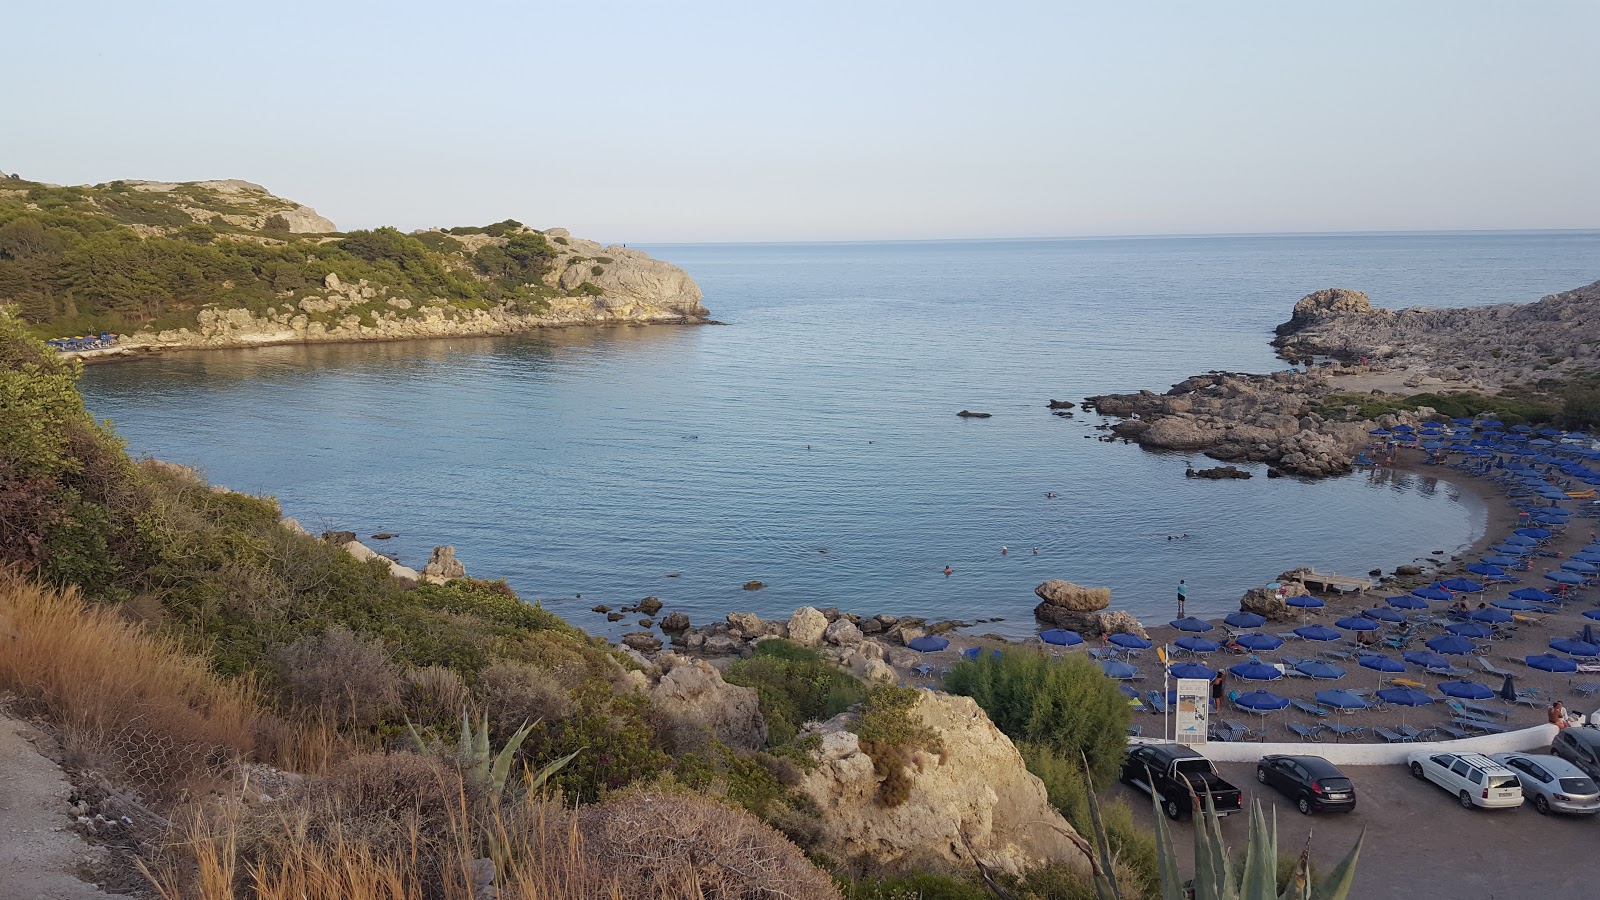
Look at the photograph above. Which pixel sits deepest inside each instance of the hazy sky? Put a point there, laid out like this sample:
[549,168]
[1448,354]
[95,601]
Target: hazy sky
[764,121]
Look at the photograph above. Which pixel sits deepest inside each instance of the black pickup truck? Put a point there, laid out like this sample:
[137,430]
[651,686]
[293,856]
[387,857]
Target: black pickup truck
[1179,779]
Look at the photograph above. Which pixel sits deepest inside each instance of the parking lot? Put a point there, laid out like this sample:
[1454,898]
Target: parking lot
[1419,842]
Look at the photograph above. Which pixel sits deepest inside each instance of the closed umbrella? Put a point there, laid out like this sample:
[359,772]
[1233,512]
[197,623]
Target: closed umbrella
[1061,637]
[1316,668]
[1384,614]
[1244,619]
[1533,594]
[1258,642]
[1491,615]
[1406,602]
[1192,670]
[1588,635]
[1451,644]
[1117,669]
[1461,585]
[1431,593]
[928,643]
[1130,641]
[1190,623]
[1254,671]
[1342,700]
[1357,623]
[1318,633]
[1546,662]
[1508,689]
[1575,647]
[1197,644]
[1465,690]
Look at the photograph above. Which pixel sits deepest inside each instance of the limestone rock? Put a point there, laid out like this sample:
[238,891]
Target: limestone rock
[649,606]
[674,623]
[366,554]
[443,566]
[977,787]
[723,645]
[1320,306]
[842,633]
[1069,596]
[807,625]
[691,691]
[746,624]
[339,538]
[642,641]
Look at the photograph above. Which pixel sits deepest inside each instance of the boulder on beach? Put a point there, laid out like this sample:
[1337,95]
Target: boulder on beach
[1076,598]
[807,626]
[842,633]
[746,624]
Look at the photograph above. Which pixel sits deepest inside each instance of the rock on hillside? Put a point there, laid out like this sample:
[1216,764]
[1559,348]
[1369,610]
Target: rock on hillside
[1492,345]
[978,788]
[623,276]
[691,694]
[239,203]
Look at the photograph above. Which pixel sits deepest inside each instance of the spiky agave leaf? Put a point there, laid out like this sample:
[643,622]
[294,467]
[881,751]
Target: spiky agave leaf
[1105,876]
[539,779]
[1260,881]
[480,753]
[1166,856]
[1337,885]
[1299,886]
[1213,873]
[464,743]
[502,763]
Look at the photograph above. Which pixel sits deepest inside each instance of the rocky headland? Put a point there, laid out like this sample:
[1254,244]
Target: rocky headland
[1301,422]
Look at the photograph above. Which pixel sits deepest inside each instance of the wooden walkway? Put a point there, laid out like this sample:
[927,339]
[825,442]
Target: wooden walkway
[1343,584]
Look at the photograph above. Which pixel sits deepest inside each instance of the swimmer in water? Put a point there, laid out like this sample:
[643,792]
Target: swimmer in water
[1004,551]
[948,571]
[1036,551]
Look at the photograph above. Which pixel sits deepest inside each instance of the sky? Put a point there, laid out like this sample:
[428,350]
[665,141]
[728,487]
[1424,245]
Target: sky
[688,121]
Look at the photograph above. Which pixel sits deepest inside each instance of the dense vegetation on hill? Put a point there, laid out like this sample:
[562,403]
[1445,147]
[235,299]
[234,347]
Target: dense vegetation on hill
[115,257]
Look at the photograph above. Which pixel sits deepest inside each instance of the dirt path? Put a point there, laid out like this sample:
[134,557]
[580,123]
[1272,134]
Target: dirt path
[40,856]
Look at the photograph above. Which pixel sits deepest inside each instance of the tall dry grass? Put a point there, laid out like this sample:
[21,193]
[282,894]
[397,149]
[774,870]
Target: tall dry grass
[128,702]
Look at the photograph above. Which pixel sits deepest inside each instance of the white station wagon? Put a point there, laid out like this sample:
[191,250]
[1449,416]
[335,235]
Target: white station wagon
[1475,779]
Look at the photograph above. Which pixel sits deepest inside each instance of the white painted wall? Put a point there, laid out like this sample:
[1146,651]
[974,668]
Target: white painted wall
[1363,754]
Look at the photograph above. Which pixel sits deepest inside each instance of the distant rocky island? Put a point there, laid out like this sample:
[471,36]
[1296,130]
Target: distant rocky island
[212,264]
[1363,367]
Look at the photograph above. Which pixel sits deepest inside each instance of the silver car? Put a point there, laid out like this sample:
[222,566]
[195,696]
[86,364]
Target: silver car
[1553,784]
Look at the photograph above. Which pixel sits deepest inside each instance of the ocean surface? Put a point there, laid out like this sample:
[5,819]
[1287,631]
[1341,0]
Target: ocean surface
[811,443]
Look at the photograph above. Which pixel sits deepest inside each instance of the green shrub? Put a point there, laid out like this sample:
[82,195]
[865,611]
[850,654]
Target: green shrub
[890,733]
[587,289]
[921,886]
[597,270]
[1067,704]
[275,222]
[794,685]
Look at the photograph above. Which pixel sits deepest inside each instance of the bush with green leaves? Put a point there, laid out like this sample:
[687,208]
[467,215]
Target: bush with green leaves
[794,685]
[1066,704]
[891,733]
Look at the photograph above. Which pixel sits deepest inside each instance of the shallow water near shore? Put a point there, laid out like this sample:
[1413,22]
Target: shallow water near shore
[812,444]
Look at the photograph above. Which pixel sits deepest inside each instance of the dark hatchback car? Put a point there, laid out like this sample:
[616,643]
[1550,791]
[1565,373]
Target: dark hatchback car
[1313,783]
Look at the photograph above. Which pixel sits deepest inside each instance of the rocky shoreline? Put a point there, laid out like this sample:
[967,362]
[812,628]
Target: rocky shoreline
[1289,419]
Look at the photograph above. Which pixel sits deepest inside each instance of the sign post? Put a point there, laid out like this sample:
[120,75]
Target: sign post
[1194,711]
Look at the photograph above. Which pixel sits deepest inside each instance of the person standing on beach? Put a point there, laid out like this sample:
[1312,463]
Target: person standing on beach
[1183,596]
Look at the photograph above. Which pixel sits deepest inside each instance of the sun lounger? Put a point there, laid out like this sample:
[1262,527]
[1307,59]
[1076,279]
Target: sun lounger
[1310,708]
[1304,732]
[1450,731]
[1527,699]
[1478,725]
[1341,731]
[1587,688]
[1450,672]
[1287,636]
[1491,668]
[1408,682]
[1483,712]
[1135,731]
[1389,736]
[1158,703]
[1336,654]
[1412,733]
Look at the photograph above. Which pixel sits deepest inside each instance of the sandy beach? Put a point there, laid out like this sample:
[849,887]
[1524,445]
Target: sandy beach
[1529,634]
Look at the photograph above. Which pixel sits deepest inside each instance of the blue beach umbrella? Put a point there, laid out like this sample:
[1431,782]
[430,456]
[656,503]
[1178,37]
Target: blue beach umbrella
[1579,566]
[1521,540]
[1197,645]
[1254,671]
[1461,585]
[1538,534]
[1533,594]
[1509,550]
[1406,602]
[1192,670]
[1384,614]
[1500,559]
[1564,577]
[1357,623]
[1130,641]
[1486,570]
[1575,647]
[1403,428]
[1318,633]
[1470,629]
[1380,432]
[1592,614]
[1261,701]
[928,643]
[1190,623]
[1259,642]
[1431,593]
[1492,615]
[1451,644]
[1117,669]
[1342,700]
[1061,637]
[1316,668]
[1465,690]
[1380,663]
[1305,601]
[1512,604]
[1404,696]
[1588,556]
[1548,663]
[1244,619]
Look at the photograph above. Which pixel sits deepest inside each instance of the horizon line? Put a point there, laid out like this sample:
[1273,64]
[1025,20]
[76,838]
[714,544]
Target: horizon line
[1192,235]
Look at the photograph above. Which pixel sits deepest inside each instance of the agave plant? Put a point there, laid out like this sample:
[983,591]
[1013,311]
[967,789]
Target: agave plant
[490,770]
[1215,877]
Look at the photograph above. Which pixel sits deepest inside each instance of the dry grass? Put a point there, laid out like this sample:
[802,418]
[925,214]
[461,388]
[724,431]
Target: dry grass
[129,703]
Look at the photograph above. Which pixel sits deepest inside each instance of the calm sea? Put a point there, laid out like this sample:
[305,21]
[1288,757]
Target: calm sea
[812,443]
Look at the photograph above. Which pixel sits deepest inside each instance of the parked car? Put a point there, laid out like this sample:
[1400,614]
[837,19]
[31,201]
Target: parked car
[1554,784]
[1475,779]
[1180,779]
[1313,783]
[1581,747]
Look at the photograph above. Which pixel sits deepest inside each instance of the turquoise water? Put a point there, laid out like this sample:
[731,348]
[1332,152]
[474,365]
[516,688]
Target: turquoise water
[812,442]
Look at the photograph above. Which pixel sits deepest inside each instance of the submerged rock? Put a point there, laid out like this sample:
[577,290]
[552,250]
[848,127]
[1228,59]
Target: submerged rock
[966,414]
